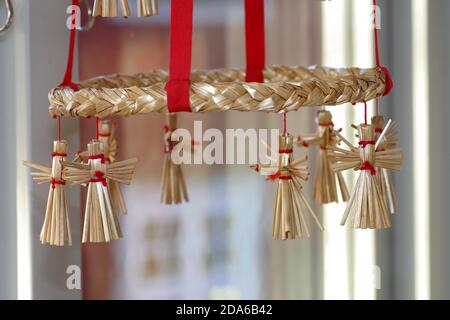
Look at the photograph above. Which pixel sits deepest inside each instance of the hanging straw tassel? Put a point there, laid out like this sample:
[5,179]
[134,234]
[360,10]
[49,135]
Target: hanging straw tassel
[384,176]
[110,8]
[292,210]
[173,185]
[107,136]
[147,8]
[325,185]
[56,228]
[101,224]
[366,207]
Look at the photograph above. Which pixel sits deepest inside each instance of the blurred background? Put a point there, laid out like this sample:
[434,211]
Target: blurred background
[219,245]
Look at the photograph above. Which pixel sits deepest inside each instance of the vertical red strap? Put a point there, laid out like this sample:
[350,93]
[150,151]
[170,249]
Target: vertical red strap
[67,82]
[254,40]
[389,82]
[178,86]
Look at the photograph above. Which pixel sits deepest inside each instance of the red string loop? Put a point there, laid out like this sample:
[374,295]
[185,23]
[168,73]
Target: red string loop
[389,83]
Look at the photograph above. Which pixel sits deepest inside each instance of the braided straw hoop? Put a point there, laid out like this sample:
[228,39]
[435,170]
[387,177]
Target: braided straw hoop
[285,89]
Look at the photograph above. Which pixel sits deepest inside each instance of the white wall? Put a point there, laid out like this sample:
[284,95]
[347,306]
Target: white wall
[32,60]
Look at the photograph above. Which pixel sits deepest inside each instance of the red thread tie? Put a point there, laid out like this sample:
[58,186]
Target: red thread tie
[368,167]
[100,177]
[364,143]
[97,157]
[277,175]
[57,154]
[328,124]
[54,182]
[379,130]
[104,135]
[286,151]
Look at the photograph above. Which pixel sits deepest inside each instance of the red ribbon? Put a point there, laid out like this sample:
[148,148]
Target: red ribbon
[100,177]
[369,167]
[254,40]
[54,182]
[179,84]
[67,82]
[327,124]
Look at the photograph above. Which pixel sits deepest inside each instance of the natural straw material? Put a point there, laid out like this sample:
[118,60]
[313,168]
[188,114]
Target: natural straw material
[147,8]
[384,177]
[366,207]
[285,89]
[326,180]
[101,224]
[292,210]
[173,185]
[107,136]
[56,228]
[110,8]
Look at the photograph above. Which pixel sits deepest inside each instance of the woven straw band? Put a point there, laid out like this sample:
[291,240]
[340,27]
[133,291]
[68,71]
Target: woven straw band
[285,89]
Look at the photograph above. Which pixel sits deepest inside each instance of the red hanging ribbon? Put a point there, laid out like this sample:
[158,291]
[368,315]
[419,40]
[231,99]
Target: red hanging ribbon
[254,40]
[67,82]
[389,82]
[179,84]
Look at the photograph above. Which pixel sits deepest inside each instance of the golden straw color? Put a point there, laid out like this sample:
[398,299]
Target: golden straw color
[384,177]
[173,185]
[326,180]
[56,228]
[110,8]
[147,8]
[292,210]
[107,136]
[101,224]
[285,89]
[366,207]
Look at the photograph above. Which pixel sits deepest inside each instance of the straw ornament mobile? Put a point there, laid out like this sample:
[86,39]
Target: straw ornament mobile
[256,88]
